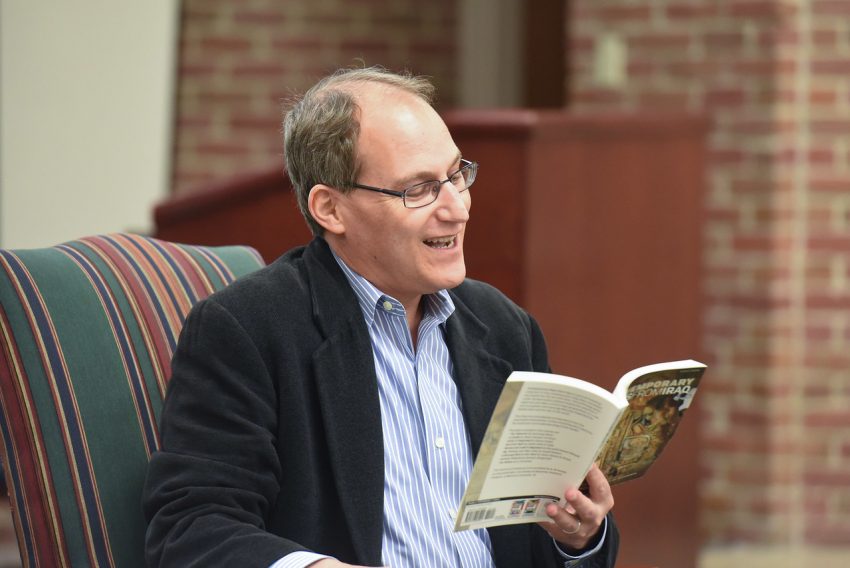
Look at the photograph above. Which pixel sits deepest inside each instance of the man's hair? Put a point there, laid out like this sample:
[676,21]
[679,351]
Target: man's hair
[321,128]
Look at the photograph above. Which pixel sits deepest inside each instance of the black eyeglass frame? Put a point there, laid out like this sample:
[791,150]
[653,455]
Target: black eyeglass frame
[464,165]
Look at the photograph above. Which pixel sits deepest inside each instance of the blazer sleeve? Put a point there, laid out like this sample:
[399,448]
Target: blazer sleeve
[210,487]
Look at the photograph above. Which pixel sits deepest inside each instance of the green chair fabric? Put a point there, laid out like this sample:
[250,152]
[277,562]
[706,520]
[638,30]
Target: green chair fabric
[87,330]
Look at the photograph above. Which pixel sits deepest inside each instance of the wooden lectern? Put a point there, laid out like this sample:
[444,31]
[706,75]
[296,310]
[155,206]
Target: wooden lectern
[592,223]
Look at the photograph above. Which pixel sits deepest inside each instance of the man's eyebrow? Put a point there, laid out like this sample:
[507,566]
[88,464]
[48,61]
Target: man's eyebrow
[422,177]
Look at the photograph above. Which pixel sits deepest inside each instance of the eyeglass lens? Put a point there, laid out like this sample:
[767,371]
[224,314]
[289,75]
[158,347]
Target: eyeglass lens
[426,193]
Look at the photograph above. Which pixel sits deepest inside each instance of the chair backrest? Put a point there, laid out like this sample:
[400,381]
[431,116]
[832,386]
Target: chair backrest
[87,330]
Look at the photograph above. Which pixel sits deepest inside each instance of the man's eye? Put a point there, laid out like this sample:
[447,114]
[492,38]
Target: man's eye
[420,190]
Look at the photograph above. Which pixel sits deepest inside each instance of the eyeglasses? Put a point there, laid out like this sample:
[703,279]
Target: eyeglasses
[426,193]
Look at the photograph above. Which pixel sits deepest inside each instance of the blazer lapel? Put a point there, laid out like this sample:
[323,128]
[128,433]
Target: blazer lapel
[350,407]
[479,374]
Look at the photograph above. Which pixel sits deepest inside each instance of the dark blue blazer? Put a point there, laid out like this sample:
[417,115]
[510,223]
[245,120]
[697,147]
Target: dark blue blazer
[271,428]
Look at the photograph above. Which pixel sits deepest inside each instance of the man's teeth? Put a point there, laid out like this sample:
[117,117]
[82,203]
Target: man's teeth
[444,242]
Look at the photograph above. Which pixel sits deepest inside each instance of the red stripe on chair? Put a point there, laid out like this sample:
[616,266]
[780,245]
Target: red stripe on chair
[145,292]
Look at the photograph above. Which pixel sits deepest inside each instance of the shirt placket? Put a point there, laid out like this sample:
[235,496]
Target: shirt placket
[448,466]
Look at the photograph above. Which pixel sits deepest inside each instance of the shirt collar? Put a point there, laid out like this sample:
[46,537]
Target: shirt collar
[438,305]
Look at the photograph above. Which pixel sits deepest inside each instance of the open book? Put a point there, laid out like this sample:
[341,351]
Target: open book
[547,430]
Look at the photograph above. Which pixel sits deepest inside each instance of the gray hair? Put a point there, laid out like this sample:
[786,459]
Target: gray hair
[321,128]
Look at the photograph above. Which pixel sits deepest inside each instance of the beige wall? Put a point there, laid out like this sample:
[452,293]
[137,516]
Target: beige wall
[85,116]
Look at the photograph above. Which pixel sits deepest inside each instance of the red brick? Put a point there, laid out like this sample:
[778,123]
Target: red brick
[760,242]
[259,16]
[771,68]
[773,38]
[823,97]
[194,70]
[751,476]
[625,13]
[691,11]
[297,44]
[823,533]
[767,9]
[769,506]
[831,7]
[265,71]
[222,149]
[225,43]
[725,97]
[693,69]
[754,186]
[226,98]
[828,302]
[195,123]
[665,101]
[832,126]
[756,302]
[818,333]
[195,14]
[822,156]
[837,184]
[726,39]
[824,477]
[830,361]
[839,67]
[263,123]
[825,39]
[838,243]
[657,40]
[364,44]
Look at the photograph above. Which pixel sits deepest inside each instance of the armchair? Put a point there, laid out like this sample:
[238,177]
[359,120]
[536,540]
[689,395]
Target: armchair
[87,330]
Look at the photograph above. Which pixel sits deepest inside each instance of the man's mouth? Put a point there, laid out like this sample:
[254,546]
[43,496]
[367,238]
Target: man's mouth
[441,243]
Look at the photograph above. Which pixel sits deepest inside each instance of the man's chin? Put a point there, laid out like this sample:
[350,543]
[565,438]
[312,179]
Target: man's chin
[455,280]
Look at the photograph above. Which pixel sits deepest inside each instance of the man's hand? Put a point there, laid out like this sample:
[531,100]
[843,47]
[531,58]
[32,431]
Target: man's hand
[576,523]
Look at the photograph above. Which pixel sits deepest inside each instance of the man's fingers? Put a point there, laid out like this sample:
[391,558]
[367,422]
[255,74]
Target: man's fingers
[597,483]
[592,508]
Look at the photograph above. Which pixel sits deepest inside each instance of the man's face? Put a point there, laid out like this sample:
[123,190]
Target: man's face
[404,252]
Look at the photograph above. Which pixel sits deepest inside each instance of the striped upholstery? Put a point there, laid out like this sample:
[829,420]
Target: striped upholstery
[88,329]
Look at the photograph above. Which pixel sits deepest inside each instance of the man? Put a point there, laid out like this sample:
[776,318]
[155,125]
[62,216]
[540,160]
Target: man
[325,411]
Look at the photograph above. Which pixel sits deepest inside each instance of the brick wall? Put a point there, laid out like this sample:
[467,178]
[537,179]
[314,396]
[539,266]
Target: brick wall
[773,76]
[239,60]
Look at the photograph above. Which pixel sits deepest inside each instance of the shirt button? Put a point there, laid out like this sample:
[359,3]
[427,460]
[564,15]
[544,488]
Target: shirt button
[388,306]
[440,442]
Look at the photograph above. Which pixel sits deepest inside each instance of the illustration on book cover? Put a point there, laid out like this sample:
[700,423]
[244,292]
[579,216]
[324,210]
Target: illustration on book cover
[656,405]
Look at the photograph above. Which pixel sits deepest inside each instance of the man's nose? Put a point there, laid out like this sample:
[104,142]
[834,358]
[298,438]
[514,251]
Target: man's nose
[453,205]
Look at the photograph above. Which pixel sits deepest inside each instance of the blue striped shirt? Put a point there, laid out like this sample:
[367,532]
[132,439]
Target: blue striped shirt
[427,452]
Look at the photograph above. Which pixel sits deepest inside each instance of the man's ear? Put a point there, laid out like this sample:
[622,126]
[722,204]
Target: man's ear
[323,203]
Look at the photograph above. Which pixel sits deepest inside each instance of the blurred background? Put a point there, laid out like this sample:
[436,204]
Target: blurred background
[110,109]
